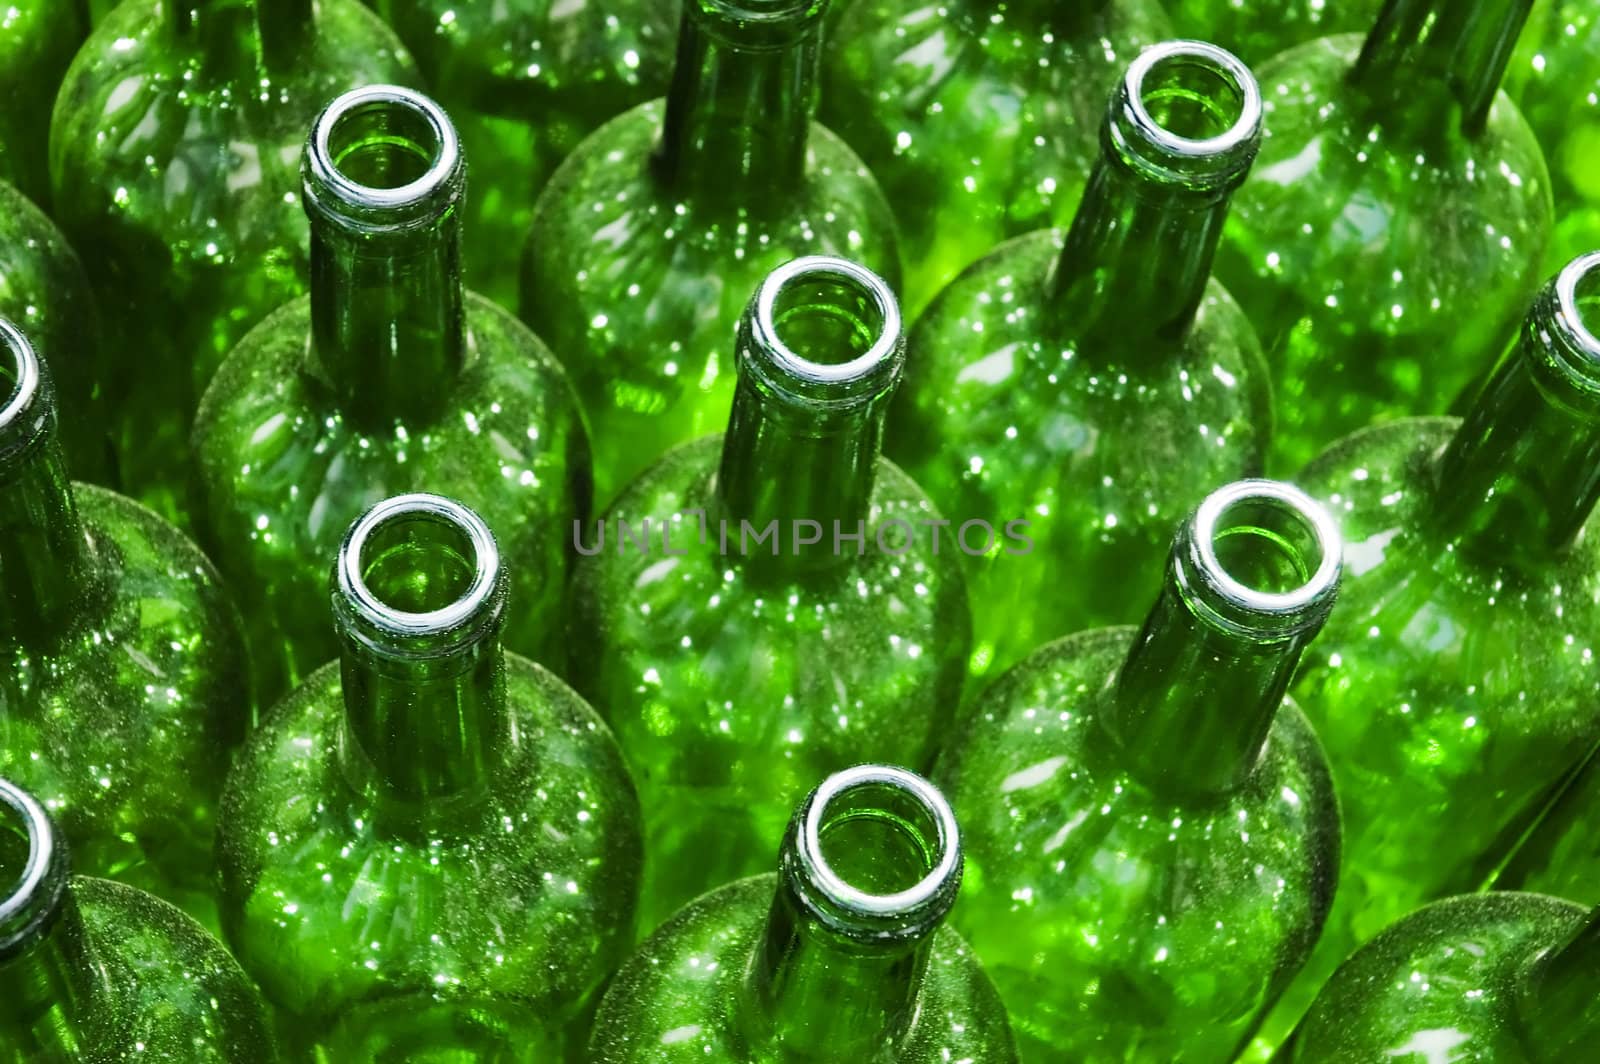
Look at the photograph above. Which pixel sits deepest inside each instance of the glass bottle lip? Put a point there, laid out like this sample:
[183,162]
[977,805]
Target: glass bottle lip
[28,909]
[394,632]
[1139,138]
[785,374]
[758,24]
[1569,337]
[26,413]
[1217,596]
[906,914]
[420,202]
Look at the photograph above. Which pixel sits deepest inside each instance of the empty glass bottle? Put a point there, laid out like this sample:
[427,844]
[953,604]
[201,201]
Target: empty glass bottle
[387,378]
[842,955]
[44,292]
[1395,223]
[175,154]
[1456,683]
[1093,385]
[1257,30]
[430,840]
[38,38]
[777,603]
[1561,854]
[122,672]
[1152,831]
[979,118]
[1497,978]
[92,970]
[524,81]
[648,240]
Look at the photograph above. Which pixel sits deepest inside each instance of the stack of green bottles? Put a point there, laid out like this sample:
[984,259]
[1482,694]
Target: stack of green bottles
[792,532]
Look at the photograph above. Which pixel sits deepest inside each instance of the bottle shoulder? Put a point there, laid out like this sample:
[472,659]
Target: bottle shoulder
[43,287]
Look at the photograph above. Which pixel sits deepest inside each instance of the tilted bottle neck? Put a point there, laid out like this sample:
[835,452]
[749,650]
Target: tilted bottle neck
[1558,999]
[240,35]
[738,111]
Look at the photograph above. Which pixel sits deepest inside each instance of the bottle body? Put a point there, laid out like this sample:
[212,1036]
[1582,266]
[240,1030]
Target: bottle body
[1560,856]
[189,190]
[1094,902]
[1448,973]
[525,82]
[1325,262]
[980,123]
[37,42]
[1257,30]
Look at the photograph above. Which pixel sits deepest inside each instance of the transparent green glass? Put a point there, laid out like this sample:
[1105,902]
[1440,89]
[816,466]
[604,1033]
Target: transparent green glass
[979,118]
[175,154]
[387,378]
[431,842]
[1152,835]
[525,81]
[1088,387]
[1491,979]
[1555,79]
[1456,684]
[1257,30]
[38,38]
[647,242]
[1395,223]
[842,955]
[45,293]
[1561,854]
[123,680]
[92,970]
[777,603]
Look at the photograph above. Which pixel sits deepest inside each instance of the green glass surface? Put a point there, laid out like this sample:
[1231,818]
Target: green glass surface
[1257,30]
[1555,79]
[174,153]
[38,38]
[1152,834]
[980,119]
[1492,979]
[430,827]
[793,968]
[387,378]
[1456,684]
[1096,383]
[44,291]
[525,81]
[648,240]
[1395,223]
[124,681]
[92,970]
[1561,854]
[737,671]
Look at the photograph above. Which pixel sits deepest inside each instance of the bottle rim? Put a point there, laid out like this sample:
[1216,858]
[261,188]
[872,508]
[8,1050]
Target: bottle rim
[25,414]
[1581,340]
[39,882]
[1141,138]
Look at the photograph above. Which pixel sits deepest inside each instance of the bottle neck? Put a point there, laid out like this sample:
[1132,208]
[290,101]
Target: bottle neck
[235,34]
[738,110]
[1558,1001]
[1418,47]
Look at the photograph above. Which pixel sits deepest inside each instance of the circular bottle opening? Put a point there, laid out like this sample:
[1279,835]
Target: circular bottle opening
[1190,112]
[23,418]
[32,869]
[1578,297]
[383,154]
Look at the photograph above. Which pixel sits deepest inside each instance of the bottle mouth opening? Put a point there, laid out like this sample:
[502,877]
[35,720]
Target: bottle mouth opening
[1577,292]
[757,23]
[383,153]
[1188,111]
[878,851]
[30,858]
[19,374]
[417,566]
[824,330]
[1262,552]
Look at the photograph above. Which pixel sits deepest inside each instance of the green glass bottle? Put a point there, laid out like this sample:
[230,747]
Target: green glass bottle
[842,955]
[1092,385]
[45,293]
[431,841]
[38,38]
[648,240]
[1395,223]
[1492,979]
[175,154]
[525,81]
[387,378]
[1555,79]
[777,603]
[979,118]
[1257,30]
[1456,685]
[92,970]
[1560,855]
[123,685]
[1151,830]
